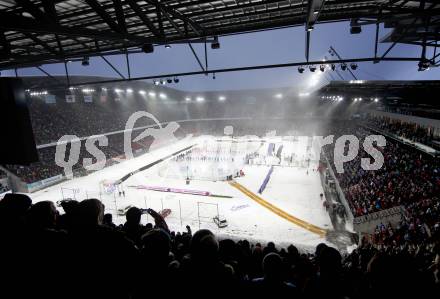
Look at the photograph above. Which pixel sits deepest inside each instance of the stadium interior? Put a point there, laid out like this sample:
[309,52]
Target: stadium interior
[142,183]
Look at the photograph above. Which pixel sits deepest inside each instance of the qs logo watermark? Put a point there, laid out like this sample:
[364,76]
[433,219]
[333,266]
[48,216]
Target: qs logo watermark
[161,135]
[346,147]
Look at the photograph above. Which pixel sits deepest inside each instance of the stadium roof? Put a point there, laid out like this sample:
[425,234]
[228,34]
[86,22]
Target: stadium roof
[35,32]
[415,93]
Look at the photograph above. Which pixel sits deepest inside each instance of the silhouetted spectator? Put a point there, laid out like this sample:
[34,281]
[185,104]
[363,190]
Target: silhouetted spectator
[273,280]
[98,250]
[133,227]
[108,220]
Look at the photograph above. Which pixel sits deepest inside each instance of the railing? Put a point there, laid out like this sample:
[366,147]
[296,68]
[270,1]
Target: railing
[340,193]
[368,223]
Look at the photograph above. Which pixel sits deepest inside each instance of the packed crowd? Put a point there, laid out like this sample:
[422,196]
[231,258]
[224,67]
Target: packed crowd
[52,121]
[82,254]
[420,225]
[46,167]
[411,131]
[407,178]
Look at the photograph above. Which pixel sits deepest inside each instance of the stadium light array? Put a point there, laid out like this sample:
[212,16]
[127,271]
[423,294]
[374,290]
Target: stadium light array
[162,96]
[221,98]
[304,94]
[142,92]
[279,96]
[188,99]
[152,94]
[117,90]
[88,90]
[129,90]
[38,93]
[200,99]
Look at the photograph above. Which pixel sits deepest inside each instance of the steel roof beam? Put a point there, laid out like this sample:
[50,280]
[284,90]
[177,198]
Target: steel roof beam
[9,21]
[104,15]
[196,27]
[143,16]
[314,8]
[5,46]
[120,15]
[246,68]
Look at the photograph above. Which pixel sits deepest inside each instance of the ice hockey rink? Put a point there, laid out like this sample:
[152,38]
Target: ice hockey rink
[294,189]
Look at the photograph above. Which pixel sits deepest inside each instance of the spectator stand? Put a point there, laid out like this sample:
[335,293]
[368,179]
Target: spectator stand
[416,145]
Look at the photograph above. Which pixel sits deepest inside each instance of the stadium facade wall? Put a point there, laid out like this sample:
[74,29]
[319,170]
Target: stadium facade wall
[16,184]
[422,121]
[368,223]
[415,145]
[35,186]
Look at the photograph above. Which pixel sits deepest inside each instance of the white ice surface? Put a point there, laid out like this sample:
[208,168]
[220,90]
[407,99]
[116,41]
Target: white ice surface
[289,188]
[292,190]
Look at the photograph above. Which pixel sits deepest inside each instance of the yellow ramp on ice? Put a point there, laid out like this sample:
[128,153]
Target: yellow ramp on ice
[308,226]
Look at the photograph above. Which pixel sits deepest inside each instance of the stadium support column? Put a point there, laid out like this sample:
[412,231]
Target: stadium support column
[198,213]
[116,205]
[67,73]
[376,42]
[146,207]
